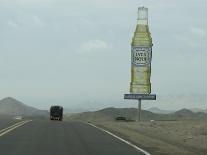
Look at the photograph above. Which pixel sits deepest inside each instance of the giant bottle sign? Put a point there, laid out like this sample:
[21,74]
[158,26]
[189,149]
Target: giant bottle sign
[141,55]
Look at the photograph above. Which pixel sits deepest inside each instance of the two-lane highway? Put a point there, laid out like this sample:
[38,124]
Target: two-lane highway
[62,138]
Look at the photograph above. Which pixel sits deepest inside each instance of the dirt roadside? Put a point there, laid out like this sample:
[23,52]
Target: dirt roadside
[163,137]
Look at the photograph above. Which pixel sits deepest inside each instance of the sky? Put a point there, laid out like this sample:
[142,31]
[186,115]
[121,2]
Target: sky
[74,52]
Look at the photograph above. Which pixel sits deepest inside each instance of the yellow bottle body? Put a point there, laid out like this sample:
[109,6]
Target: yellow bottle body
[141,54]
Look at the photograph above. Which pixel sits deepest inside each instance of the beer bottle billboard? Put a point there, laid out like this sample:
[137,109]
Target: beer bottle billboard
[141,55]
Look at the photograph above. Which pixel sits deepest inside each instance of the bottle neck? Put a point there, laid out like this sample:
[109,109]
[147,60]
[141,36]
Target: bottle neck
[142,16]
[142,22]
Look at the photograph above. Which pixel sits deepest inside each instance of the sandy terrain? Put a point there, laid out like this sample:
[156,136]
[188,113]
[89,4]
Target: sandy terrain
[164,137]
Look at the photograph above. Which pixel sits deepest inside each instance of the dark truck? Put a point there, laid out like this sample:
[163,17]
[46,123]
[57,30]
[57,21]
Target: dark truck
[56,113]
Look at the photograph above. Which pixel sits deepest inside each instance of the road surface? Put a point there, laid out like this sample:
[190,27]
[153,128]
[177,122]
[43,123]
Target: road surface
[61,138]
[6,121]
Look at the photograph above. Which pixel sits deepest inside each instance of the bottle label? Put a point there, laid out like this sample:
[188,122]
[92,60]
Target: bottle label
[141,56]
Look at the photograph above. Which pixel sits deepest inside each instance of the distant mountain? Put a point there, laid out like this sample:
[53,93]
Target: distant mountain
[188,114]
[184,113]
[205,111]
[170,102]
[12,107]
[109,114]
[159,111]
[73,110]
[198,110]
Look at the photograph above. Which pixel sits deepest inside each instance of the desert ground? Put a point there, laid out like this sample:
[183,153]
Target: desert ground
[187,137]
[179,133]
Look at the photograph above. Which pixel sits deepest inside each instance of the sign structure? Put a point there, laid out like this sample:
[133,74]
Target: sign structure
[140,96]
[141,57]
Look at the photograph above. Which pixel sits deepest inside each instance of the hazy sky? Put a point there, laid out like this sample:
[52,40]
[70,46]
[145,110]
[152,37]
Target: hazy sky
[73,51]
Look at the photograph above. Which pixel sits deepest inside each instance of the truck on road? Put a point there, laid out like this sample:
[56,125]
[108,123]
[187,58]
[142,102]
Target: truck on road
[56,113]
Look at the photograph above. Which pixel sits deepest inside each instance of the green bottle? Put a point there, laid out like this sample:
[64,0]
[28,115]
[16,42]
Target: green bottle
[141,55]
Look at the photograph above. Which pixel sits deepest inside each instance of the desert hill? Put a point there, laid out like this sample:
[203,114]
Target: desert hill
[12,107]
[109,114]
[159,111]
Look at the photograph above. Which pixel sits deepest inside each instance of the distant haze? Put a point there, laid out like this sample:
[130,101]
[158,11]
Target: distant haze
[77,53]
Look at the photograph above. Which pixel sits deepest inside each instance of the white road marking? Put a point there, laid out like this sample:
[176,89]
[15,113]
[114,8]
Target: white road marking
[12,127]
[121,139]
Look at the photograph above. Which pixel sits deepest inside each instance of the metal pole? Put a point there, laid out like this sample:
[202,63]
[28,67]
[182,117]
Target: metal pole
[139,110]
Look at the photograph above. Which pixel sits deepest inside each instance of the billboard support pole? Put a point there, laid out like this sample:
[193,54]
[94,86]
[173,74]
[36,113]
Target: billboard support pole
[139,98]
[139,110]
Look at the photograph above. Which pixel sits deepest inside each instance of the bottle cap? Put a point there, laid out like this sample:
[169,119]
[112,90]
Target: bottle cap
[143,16]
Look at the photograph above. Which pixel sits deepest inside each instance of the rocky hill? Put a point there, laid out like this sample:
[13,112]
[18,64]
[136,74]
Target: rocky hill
[159,111]
[12,107]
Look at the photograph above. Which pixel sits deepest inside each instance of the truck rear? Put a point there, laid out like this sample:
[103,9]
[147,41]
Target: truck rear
[56,113]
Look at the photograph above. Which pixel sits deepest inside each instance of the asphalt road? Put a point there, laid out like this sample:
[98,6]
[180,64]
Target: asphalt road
[6,121]
[61,138]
